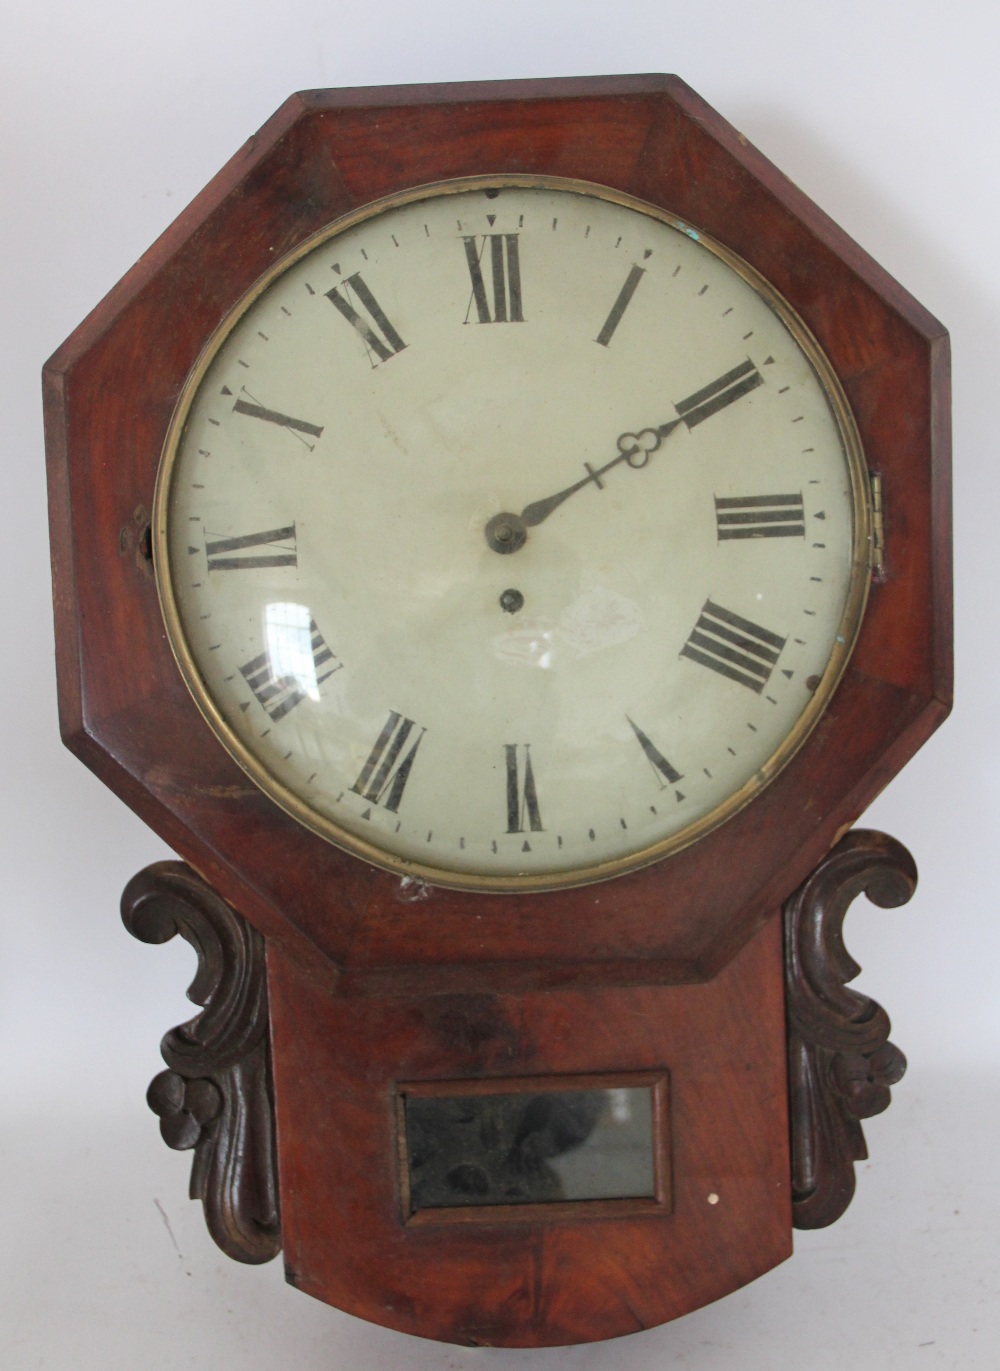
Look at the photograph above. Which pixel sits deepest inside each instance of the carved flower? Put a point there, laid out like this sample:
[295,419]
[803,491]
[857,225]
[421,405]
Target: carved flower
[184,1107]
[863,1079]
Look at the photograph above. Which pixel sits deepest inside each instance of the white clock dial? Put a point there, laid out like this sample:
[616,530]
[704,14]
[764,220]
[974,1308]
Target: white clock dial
[512,534]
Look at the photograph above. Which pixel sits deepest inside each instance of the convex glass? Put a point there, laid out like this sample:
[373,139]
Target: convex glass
[512,534]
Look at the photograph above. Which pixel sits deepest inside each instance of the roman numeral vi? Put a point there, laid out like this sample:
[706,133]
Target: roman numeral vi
[522,797]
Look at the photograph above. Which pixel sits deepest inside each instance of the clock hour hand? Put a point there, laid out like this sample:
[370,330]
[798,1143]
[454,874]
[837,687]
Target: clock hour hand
[507,532]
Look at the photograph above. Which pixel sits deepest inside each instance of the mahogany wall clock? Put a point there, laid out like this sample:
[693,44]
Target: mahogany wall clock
[501,541]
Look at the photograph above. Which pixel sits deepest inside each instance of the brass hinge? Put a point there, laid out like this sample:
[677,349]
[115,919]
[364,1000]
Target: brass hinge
[878,526]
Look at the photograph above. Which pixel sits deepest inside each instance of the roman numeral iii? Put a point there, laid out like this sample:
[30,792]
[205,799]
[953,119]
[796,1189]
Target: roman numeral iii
[522,797]
[734,647]
[759,516]
[387,769]
[499,251]
[279,541]
[380,345]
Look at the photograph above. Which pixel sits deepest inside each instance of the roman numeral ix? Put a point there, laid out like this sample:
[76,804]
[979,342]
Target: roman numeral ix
[522,797]
[278,694]
[387,770]
[280,541]
[379,348]
[734,647]
[759,516]
[505,278]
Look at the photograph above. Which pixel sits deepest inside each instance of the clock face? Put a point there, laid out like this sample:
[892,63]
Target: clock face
[512,534]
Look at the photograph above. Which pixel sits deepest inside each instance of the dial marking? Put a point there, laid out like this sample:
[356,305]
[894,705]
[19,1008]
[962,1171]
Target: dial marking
[522,796]
[734,647]
[390,342]
[719,393]
[385,770]
[759,516]
[661,767]
[278,691]
[505,277]
[621,304]
[282,540]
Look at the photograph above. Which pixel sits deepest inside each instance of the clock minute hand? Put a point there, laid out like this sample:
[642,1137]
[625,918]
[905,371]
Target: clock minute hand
[634,448]
[637,448]
[507,532]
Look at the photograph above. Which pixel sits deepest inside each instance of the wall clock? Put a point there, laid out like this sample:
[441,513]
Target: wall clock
[500,540]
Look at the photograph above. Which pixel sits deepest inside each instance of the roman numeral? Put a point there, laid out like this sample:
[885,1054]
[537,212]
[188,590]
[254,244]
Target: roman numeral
[620,305]
[718,394]
[505,278]
[387,770]
[522,797]
[280,540]
[760,516]
[380,349]
[277,689]
[271,416]
[733,646]
[655,758]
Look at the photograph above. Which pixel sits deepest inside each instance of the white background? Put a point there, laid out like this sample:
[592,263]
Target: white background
[114,114]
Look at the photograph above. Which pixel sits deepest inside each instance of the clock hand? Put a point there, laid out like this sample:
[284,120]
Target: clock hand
[507,532]
[634,448]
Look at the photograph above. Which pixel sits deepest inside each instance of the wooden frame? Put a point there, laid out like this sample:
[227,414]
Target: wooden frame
[373,980]
[109,393]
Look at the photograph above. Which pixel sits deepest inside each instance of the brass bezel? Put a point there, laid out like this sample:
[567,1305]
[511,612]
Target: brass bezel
[845,639]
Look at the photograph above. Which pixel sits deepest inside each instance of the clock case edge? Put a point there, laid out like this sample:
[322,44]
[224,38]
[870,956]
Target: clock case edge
[124,711]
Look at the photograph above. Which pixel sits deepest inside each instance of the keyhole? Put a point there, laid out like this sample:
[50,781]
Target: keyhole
[511,601]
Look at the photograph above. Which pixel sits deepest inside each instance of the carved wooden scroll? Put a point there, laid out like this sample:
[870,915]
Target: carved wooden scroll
[216,1096]
[841,1063]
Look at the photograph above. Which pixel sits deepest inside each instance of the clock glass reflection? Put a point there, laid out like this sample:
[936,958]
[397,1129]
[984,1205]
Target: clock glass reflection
[536,1147]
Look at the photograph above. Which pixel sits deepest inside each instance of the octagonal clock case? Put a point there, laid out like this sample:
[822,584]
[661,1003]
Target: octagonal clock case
[501,542]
